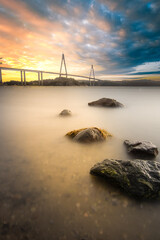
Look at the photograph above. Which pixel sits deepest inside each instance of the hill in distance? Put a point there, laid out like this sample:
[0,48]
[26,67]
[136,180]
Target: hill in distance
[63,81]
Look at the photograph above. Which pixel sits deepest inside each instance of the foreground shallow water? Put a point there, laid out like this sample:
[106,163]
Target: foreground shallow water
[46,191]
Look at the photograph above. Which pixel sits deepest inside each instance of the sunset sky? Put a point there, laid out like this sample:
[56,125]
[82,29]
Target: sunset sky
[121,38]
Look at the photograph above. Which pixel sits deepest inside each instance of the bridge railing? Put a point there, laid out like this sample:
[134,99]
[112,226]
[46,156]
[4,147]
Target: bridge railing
[40,74]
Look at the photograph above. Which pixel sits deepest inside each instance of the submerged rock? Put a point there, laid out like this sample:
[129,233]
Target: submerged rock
[106,102]
[88,135]
[139,178]
[65,112]
[142,148]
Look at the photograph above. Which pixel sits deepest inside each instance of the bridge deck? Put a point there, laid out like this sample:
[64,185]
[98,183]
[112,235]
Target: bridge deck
[40,71]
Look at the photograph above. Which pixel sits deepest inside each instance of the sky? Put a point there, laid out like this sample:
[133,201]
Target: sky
[121,38]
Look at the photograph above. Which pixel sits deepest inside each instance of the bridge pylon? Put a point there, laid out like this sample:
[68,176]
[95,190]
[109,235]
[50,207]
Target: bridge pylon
[92,75]
[63,62]
[0,76]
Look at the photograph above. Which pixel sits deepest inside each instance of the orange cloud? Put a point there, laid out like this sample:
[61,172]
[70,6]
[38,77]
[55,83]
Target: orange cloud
[34,42]
[60,10]
[99,22]
[30,17]
[122,33]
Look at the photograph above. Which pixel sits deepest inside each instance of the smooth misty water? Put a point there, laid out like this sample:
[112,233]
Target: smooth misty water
[46,191]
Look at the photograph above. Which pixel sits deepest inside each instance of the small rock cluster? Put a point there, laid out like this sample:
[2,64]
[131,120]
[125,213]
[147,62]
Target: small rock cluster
[138,177]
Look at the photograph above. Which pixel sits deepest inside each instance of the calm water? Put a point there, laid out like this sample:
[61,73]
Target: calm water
[46,191]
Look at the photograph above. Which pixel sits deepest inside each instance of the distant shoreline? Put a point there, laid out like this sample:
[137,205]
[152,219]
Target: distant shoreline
[72,82]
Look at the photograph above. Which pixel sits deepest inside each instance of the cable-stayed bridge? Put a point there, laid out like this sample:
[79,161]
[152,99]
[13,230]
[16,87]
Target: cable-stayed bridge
[40,73]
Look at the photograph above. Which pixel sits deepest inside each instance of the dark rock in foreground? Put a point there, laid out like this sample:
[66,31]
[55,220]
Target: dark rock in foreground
[88,135]
[139,178]
[106,102]
[65,112]
[142,148]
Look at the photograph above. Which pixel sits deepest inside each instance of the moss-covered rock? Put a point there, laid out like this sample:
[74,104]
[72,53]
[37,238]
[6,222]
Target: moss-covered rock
[88,135]
[139,178]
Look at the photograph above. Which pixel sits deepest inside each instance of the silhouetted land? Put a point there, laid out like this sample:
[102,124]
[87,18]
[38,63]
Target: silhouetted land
[62,81]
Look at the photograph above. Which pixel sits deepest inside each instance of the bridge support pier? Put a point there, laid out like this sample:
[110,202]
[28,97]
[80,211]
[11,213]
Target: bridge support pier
[24,78]
[0,76]
[90,76]
[21,78]
[42,78]
[39,83]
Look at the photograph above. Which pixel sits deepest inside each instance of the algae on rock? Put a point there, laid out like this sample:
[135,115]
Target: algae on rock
[88,135]
[139,178]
